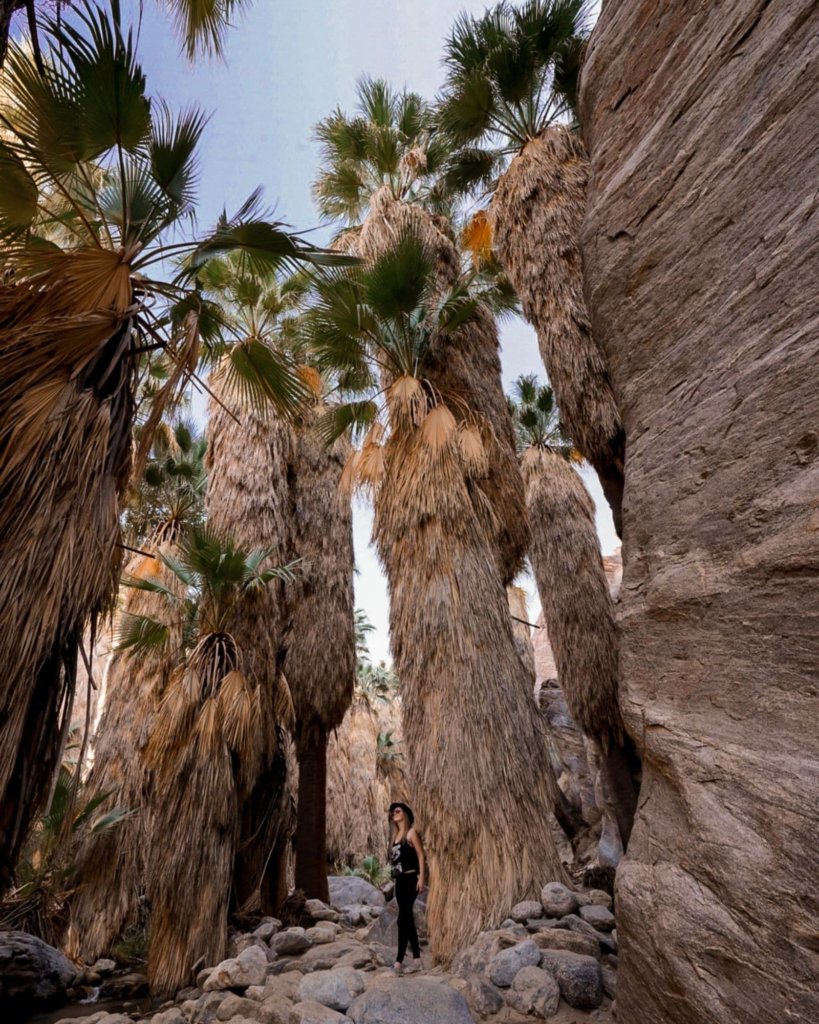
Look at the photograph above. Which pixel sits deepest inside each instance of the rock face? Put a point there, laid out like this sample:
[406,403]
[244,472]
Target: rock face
[32,973]
[700,254]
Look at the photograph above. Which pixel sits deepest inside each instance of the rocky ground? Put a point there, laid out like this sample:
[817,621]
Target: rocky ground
[553,959]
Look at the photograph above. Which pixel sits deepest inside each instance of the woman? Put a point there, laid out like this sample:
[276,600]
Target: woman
[408,869]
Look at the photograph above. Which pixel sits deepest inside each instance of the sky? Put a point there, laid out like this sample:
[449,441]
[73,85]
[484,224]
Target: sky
[286,66]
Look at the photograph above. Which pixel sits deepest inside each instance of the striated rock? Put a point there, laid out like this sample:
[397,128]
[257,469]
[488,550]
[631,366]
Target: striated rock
[248,968]
[410,1001]
[32,973]
[350,890]
[557,900]
[336,989]
[505,965]
[559,938]
[534,991]
[578,977]
[700,261]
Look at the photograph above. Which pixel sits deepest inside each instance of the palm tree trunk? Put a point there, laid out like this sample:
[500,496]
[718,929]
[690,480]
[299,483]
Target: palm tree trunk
[311,828]
[318,648]
[579,617]
[466,367]
[537,213]
[111,868]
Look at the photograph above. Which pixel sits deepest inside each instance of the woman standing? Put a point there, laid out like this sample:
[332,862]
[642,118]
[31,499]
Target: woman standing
[408,869]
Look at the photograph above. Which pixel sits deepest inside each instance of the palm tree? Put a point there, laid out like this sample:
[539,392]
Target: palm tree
[111,869]
[95,178]
[510,88]
[574,593]
[382,175]
[319,645]
[211,733]
[473,742]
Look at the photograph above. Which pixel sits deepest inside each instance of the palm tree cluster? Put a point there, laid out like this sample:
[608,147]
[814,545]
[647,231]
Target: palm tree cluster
[373,367]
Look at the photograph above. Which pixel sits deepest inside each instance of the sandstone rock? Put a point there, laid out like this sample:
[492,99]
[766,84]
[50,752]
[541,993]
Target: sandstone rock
[336,989]
[600,898]
[319,910]
[410,1001]
[104,966]
[534,991]
[699,254]
[172,1016]
[290,941]
[598,917]
[235,1006]
[248,968]
[505,965]
[320,935]
[575,942]
[274,1009]
[579,978]
[349,890]
[310,1012]
[482,997]
[203,976]
[521,912]
[32,973]
[557,900]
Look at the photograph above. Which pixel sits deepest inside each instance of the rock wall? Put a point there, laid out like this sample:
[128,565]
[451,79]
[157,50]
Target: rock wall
[700,250]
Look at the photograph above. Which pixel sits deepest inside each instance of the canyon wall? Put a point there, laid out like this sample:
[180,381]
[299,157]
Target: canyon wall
[700,249]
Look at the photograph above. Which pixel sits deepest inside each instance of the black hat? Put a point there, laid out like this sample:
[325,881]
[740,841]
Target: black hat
[405,809]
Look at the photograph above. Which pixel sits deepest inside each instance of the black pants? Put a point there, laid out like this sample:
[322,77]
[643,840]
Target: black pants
[406,890]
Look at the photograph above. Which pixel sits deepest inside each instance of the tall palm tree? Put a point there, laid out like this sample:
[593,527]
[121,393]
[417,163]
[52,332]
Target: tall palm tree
[95,177]
[111,869]
[211,733]
[382,173]
[474,745]
[319,644]
[509,96]
[574,592]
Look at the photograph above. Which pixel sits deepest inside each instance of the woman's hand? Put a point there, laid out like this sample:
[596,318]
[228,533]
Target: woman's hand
[420,886]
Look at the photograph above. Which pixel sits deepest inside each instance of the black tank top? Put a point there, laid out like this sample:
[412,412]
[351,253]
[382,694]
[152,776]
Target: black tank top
[403,859]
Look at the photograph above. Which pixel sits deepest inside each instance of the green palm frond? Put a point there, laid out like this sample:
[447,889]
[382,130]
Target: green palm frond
[510,74]
[140,634]
[536,418]
[201,24]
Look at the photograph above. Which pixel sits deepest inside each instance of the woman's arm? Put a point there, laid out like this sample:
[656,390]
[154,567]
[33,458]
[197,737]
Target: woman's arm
[415,839]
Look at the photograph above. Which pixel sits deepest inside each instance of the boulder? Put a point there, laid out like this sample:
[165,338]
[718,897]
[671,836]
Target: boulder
[310,1012]
[248,968]
[534,991]
[475,958]
[504,966]
[290,942]
[557,900]
[350,890]
[32,973]
[607,941]
[410,1001]
[320,911]
[268,927]
[234,1005]
[336,989]
[384,928]
[600,898]
[522,912]
[598,917]
[274,1009]
[173,1015]
[343,952]
[560,938]
[699,255]
[104,966]
[609,981]
[320,935]
[578,977]
[482,996]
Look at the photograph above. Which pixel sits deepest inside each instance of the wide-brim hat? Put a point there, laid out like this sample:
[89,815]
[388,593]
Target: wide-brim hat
[405,809]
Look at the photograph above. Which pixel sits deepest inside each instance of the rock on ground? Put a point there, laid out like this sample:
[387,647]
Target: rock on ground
[349,890]
[410,1001]
[534,991]
[310,1012]
[522,912]
[578,977]
[290,941]
[557,900]
[699,252]
[248,968]
[336,988]
[32,973]
[504,966]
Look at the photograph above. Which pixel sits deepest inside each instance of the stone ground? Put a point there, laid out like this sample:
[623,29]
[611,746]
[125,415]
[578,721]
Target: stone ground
[553,959]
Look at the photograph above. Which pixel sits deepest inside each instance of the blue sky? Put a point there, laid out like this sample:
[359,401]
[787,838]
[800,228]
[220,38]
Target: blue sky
[286,65]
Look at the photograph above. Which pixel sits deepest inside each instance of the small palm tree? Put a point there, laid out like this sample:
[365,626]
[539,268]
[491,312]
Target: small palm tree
[574,593]
[210,734]
[97,177]
[508,104]
[390,141]
[421,450]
